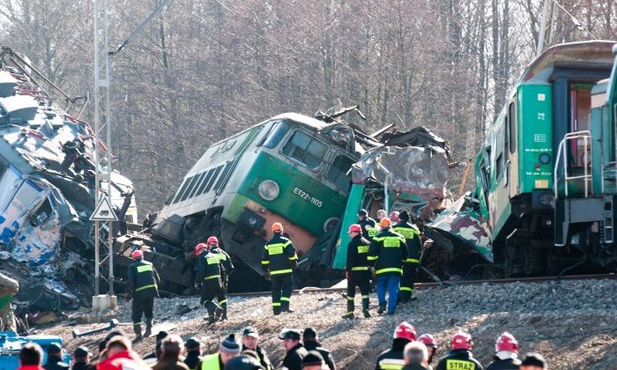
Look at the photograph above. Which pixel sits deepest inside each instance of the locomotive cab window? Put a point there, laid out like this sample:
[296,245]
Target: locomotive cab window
[305,149]
[337,171]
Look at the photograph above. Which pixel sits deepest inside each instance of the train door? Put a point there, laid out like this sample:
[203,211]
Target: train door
[512,150]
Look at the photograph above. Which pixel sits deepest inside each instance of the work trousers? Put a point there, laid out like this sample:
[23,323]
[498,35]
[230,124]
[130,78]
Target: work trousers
[281,292]
[210,289]
[142,307]
[389,282]
[361,279]
[407,281]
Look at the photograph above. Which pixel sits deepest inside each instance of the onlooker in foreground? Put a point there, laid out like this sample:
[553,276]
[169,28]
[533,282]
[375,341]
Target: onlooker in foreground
[243,362]
[120,356]
[415,356]
[311,343]
[30,357]
[313,361]
[193,352]
[229,349]
[81,357]
[533,361]
[295,349]
[170,354]
[54,358]
[250,340]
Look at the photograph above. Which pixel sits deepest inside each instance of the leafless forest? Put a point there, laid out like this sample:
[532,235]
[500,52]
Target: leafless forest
[202,70]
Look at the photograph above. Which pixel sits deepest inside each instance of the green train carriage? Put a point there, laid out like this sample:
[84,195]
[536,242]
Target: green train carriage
[291,169]
[540,173]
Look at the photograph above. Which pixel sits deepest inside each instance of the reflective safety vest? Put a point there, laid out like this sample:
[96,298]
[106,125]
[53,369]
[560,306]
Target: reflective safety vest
[211,362]
[142,280]
[412,240]
[357,253]
[278,255]
[388,250]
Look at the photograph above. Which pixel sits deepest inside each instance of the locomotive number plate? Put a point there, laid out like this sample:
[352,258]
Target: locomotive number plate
[306,196]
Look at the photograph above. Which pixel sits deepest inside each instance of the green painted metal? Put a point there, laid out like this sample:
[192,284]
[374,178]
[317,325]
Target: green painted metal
[349,217]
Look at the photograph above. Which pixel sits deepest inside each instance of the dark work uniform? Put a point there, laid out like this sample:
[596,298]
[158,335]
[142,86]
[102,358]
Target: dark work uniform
[459,359]
[279,259]
[226,270]
[55,363]
[312,345]
[392,359]
[504,364]
[142,283]
[388,250]
[359,274]
[369,227]
[192,358]
[414,248]
[293,358]
[208,276]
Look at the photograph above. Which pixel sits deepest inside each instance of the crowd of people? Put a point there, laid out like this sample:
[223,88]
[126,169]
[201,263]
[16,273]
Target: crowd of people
[303,351]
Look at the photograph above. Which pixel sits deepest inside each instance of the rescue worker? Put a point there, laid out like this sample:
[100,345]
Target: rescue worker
[295,351]
[311,343]
[431,345]
[226,270]
[388,251]
[142,285]
[278,261]
[392,359]
[357,271]
[369,226]
[250,340]
[460,356]
[414,249]
[533,361]
[54,358]
[208,279]
[228,349]
[506,353]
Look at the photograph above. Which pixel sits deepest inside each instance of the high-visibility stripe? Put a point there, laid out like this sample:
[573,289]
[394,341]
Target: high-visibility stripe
[137,323]
[359,268]
[412,260]
[274,249]
[391,364]
[224,301]
[212,277]
[144,268]
[408,289]
[371,258]
[276,304]
[286,299]
[265,262]
[293,258]
[279,272]
[365,296]
[391,269]
[362,249]
[349,298]
[145,287]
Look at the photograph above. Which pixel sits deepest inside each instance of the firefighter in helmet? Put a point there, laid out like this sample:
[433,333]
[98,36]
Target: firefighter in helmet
[142,286]
[506,353]
[460,356]
[357,271]
[431,345]
[393,358]
[278,260]
[414,249]
[227,268]
[208,280]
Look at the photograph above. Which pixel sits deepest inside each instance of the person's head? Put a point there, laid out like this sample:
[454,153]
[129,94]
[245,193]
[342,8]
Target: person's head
[506,343]
[200,248]
[171,346]
[533,361]
[404,216]
[430,343]
[81,354]
[277,228]
[394,216]
[385,223]
[117,344]
[30,354]
[137,254]
[310,335]
[462,340]
[158,345]
[313,361]
[243,362]
[250,337]
[415,353]
[381,214]
[212,242]
[362,214]
[192,345]
[354,230]
[54,350]
[290,338]
[405,331]
[229,348]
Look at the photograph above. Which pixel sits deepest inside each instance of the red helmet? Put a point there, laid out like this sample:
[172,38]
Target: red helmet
[212,239]
[406,331]
[199,247]
[428,340]
[137,254]
[506,342]
[277,227]
[394,216]
[355,228]
[462,340]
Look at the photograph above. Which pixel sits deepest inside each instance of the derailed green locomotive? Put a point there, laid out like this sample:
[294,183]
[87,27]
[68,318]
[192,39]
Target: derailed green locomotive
[546,174]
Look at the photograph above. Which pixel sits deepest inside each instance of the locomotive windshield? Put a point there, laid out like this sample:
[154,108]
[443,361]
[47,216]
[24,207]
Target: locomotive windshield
[305,149]
[337,172]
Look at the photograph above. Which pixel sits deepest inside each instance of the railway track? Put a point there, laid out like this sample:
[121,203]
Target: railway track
[444,284]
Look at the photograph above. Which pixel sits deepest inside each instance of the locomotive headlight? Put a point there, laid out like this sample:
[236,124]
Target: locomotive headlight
[545,158]
[268,190]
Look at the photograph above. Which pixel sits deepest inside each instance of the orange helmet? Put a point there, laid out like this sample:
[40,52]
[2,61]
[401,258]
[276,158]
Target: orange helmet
[277,227]
[199,247]
[428,340]
[211,240]
[355,228]
[462,340]
[385,222]
[406,331]
[137,254]
[506,342]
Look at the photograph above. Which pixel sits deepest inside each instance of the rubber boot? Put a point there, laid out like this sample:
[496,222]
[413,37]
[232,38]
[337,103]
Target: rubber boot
[365,308]
[224,308]
[137,330]
[382,309]
[148,331]
[350,309]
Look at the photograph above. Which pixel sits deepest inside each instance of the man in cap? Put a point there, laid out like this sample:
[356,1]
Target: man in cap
[357,271]
[278,261]
[81,356]
[250,340]
[142,286]
[533,361]
[54,358]
[388,251]
[193,352]
[313,361]
[414,249]
[295,350]
[368,225]
[30,357]
[229,349]
[311,343]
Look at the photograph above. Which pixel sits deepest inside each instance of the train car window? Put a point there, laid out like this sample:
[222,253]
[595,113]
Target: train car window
[181,191]
[337,172]
[512,127]
[189,188]
[202,187]
[199,181]
[275,134]
[214,176]
[305,149]
[223,178]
